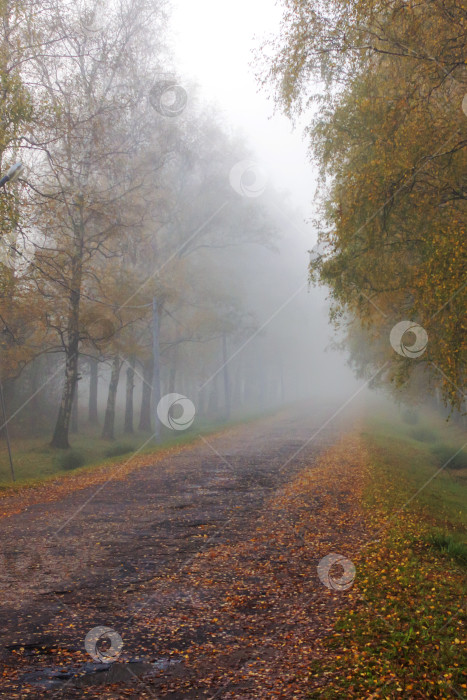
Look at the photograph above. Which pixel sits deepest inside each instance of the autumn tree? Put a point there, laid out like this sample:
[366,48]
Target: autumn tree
[389,131]
[91,85]
[15,117]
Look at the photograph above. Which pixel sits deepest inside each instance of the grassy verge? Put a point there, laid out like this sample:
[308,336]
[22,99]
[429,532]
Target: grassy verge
[403,634]
[36,462]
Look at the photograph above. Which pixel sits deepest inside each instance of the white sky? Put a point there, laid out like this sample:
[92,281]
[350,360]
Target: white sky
[213,40]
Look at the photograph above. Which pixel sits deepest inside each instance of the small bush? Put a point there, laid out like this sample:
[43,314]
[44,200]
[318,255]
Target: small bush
[410,416]
[71,459]
[120,448]
[423,435]
[448,545]
[42,450]
[444,455]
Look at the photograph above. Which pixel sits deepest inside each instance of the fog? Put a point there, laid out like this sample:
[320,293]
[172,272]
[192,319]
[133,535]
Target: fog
[232,350]
[208,231]
[217,45]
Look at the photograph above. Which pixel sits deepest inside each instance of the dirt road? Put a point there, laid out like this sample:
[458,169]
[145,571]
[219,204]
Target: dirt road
[197,562]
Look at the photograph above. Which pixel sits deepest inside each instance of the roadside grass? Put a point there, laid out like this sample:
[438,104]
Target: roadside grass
[435,470]
[403,635]
[36,462]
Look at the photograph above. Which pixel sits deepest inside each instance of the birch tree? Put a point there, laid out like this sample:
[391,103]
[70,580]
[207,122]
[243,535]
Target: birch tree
[90,88]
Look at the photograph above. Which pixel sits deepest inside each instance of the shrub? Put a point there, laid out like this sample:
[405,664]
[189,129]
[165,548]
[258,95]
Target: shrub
[444,454]
[71,459]
[423,435]
[448,545]
[410,416]
[120,448]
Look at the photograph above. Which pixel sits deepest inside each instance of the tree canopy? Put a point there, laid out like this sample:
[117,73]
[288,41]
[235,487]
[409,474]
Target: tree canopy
[385,86]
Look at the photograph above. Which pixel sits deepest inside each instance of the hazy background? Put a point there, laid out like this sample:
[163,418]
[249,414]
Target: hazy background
[214,43]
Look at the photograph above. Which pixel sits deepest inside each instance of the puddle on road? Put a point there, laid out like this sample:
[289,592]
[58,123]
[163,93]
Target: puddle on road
[52,678]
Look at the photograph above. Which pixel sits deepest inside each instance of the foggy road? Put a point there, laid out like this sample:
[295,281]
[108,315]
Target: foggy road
[233,349]
[128,560]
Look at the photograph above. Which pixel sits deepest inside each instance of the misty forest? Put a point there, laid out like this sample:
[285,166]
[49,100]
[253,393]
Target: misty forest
[233,257]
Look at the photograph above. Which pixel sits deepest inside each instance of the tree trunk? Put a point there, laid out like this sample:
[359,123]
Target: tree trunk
[62,426]
[93,416]
[156,374]
[34,404]
[173,372]
[71,345]
[237,385]
[3,415]
[145,415]
[74,412]
[108,430]
[200,407]
[130,385]
[213,401]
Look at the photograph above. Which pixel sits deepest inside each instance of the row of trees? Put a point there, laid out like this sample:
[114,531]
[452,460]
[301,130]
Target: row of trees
[386,84]
[114,243]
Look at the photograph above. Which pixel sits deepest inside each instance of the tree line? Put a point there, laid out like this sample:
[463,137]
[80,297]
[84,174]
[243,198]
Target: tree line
[384,86]
[126,225]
